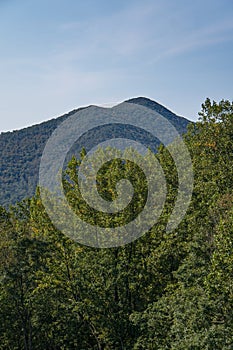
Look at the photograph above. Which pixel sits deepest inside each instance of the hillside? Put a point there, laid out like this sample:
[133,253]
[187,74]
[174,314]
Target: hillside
[21,150]
[165,290]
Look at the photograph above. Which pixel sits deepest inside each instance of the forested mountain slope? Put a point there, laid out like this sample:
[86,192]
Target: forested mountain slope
[20,151]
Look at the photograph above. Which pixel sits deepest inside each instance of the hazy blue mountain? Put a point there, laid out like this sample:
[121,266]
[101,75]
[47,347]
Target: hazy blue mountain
[21,150]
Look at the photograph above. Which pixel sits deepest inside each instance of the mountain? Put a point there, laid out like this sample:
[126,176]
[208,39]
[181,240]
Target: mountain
[21,150]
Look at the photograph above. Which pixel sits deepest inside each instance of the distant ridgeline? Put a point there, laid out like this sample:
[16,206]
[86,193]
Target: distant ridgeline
[21,150]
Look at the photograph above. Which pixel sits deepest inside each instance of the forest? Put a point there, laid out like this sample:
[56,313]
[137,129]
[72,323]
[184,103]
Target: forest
[165,290]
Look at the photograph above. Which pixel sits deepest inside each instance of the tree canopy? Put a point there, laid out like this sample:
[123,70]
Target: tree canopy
[166,290]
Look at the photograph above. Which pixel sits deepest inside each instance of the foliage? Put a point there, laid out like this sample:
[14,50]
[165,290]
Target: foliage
[164,291]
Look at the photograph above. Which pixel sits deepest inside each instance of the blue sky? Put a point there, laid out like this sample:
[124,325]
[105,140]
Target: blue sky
[58,55]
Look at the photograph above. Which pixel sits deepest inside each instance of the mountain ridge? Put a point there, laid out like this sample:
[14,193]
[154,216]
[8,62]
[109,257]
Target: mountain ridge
[21,150]
[141,100]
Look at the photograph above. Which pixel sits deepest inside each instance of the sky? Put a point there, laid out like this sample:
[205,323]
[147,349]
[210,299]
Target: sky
[58,55]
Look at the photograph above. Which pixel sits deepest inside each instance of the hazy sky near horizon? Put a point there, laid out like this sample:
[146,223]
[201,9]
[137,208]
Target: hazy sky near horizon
[58,55]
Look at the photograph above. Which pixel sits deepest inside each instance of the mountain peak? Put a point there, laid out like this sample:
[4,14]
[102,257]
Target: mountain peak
[157,107]
[141,100]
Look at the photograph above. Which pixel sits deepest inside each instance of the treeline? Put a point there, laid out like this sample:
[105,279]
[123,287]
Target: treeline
[163,291]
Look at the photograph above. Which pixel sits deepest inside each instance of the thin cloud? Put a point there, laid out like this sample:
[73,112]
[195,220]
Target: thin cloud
[183,42]
[146,31]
